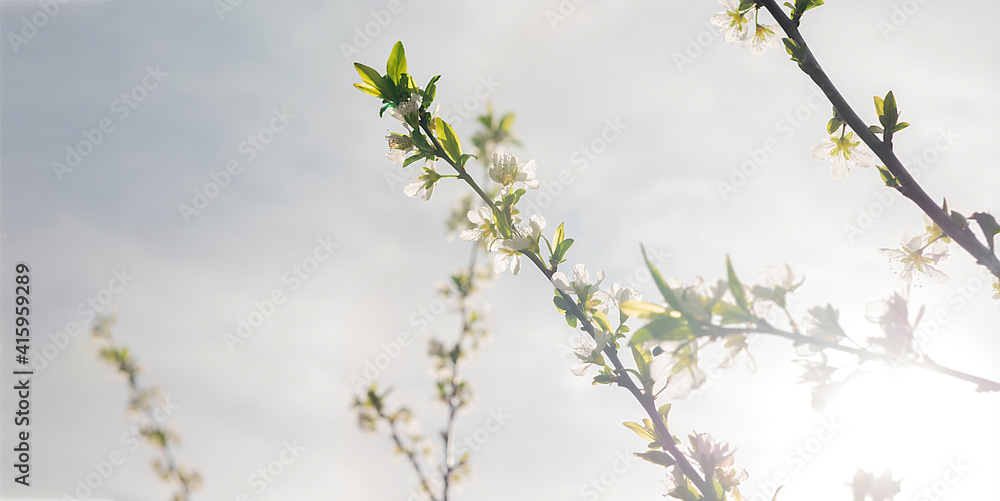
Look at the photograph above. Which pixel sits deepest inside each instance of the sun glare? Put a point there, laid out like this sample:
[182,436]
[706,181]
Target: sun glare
[900,419]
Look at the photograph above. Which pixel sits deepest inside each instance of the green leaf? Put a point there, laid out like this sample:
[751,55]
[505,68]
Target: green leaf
[430,90]
[375,80]
[900,126]
[641,309]
[560,234]
[736,287]
[640,430]
[368,90]
[560,252]
[412,158]
[396,65]
[449,140]
[506,122]
[602,321]
[889,105]
[879,104]
[665,328]
[571,320]
[657,457]
[960,220]
[989,225]
[798,52]
[833,125]
[420,141]
[642,358]
[604,377]
[876,129]
[887,177]
[664,410]
[731,314]
[668,294]
[465,158]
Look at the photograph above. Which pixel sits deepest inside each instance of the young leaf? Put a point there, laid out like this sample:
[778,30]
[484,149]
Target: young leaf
[641,309]
[431,90]
[891,114]
[449,140]
[833,125]
[798,52]
[736,287]
[640,430]
[642,358]
[668,294]
[989,225]
[374,80]
[560,253]
[664,410]
[887,177]
[731,314]
[368,90]
[657,457]
[412,158]
[396,65]
[664,328]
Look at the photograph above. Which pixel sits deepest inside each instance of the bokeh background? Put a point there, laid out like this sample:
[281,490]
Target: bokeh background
[206,75]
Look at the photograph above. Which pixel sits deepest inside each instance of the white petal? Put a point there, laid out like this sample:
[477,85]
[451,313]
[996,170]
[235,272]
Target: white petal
[395,155]
[862,158]
[469,235]
[822,150]
[561,282]
[838,167]
[412,188]
[580,369]
[499,262]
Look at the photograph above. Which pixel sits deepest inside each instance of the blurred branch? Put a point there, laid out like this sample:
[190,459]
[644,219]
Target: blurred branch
[144,400]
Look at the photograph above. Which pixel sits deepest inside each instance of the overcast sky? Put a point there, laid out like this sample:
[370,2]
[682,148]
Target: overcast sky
[176,162]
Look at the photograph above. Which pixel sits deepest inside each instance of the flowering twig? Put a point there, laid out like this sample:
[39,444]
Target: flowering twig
[925,363]
[144,400]
[646,400]
[905,184]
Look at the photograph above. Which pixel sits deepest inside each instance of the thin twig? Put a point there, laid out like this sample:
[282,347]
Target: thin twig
[907,186]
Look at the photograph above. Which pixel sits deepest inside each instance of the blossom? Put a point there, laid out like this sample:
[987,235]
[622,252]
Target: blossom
[483,227]
[710,453]
[776,283]
[893,316]
[406,108]
[457,219]
[580,285]
[934,232]
[617,294]
[735,24]
[843,154]
[678,364]
[399,147]
[917,255]
[589,351]
[509,249]
[996,289]
[526,238]
[763,38]
[507,170]
[424,182]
